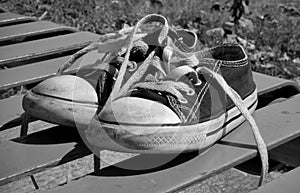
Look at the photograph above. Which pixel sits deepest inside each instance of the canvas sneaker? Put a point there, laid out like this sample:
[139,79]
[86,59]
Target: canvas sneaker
[177,101]
[184,110]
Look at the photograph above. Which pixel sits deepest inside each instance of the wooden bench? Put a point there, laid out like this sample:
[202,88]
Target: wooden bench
[34,52]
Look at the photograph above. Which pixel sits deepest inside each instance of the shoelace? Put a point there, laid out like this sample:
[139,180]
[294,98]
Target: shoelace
[165,79]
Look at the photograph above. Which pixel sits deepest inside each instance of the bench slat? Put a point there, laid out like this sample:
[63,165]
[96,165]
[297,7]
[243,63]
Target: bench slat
[266,83]
[234,149]
[35,72]
[8,18]
[31,73]
[11,116]
[288,182]
[30,29]
[16,54]
[39,150]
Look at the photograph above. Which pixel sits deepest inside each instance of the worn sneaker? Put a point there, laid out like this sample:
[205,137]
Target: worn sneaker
[177,101]
[179,111]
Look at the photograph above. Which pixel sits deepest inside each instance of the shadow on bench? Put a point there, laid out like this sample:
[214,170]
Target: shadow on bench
[49,148]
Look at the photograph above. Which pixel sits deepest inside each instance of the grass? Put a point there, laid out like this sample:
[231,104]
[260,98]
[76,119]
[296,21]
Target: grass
[271,33]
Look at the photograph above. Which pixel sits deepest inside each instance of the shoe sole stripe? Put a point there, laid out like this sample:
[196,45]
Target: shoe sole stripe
[229,121]
[232,114]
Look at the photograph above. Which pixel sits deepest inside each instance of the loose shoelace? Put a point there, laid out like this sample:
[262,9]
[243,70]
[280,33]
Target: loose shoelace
[165,79]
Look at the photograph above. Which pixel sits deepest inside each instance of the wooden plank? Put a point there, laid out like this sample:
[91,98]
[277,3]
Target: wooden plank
[40,150]
[267,84]
[8,18]
[17,54]
[11,111]
[233,149]
[38,71]
[27,74]
[25,30]
[272,88]
[30,73]
[288,182]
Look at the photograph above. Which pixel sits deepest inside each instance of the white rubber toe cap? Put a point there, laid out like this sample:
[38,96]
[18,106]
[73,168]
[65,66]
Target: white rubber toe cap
[67,87]
[134,110]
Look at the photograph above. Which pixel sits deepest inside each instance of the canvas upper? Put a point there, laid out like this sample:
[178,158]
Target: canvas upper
[211,101]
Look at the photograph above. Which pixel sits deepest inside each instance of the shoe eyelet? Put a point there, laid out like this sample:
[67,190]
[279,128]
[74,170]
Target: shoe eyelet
[132,67]
[198,83]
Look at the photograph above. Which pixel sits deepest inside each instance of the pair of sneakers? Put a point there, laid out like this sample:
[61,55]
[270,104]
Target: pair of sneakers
[154,93]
